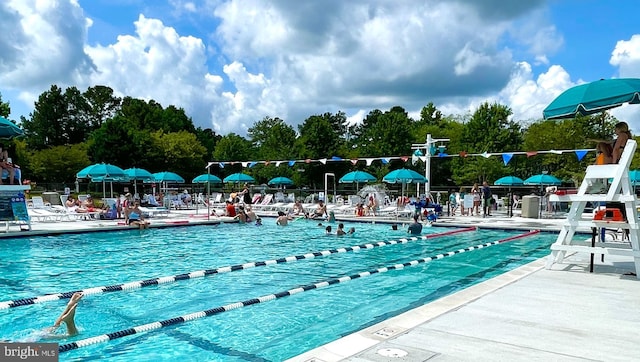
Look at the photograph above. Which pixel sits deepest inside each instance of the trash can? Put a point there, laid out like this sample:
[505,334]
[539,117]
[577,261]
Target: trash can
[531,206]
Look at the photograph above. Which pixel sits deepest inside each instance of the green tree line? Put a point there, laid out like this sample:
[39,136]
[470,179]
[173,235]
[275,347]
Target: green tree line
[70,129]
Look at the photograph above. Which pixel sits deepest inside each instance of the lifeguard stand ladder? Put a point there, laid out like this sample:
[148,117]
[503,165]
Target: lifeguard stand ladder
[621,191]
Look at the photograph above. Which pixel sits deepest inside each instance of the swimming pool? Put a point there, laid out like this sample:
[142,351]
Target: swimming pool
[270,331]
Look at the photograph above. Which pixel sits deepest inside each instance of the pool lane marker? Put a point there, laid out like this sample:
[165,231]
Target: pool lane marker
[266,298]
[226,269]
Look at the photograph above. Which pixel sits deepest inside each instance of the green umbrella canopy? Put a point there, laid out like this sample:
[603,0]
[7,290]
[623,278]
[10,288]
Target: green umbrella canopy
[594,97]
[102,171]
[238,177]
[9,129]
[543,179]
[167,176]
[509,181]
[139,174]
[279,181]
[404,176]
[204,178]
[356,177]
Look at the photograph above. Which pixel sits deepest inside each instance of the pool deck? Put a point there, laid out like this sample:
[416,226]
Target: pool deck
[531,313]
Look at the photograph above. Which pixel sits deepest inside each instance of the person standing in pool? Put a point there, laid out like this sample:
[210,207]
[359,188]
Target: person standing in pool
[415,228]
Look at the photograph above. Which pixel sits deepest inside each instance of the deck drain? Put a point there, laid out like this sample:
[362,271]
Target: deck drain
[392,352]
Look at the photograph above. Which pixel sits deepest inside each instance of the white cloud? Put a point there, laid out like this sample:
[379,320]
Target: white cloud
[42,44]
[626,56]
[292,59]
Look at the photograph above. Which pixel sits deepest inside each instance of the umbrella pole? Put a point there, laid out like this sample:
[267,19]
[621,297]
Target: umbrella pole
[104,192]
[111,187]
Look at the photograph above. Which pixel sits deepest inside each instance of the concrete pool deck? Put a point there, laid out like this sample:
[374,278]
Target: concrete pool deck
[565,313]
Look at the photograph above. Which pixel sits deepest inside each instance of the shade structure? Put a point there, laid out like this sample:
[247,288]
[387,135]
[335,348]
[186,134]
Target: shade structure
[136,174]
[103,172]
[207,178]
[356,177]
[238,177]
[280,181]
[9,129]
[509,181]
[404,176]
[594,97]
[168,177]
[543,179]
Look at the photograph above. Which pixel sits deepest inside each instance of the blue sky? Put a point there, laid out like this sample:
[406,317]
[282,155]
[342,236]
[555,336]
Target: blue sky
[230,63]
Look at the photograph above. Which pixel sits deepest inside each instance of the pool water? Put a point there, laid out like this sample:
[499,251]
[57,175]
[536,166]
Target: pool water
[269,331]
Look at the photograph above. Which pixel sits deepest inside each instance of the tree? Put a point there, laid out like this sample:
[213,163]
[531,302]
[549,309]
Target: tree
[273,140]
[5,109]
[44,128]
[232,148]
[488,130]
[102,105]
[181,152]
[322,136]
[55,164]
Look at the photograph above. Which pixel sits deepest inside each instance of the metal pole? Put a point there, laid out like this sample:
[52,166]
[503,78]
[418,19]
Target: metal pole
[427,169]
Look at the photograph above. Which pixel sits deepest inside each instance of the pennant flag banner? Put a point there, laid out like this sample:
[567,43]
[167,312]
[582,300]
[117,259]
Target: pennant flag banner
[506,158]
[580,154]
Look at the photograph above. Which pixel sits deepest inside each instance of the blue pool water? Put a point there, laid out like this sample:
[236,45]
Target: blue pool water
[269,331]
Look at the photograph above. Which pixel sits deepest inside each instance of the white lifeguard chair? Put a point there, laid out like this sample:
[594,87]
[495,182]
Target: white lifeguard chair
[621,191]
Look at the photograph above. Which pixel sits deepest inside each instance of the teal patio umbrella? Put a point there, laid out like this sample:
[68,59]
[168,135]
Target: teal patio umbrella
[356,177]
[543,179]
[9,129]
[280,181]
[102,172]
[634,177]
[239,177]
[404,176]
[594,97]
[509,181]
[207,178]
[136,174]
[168,177]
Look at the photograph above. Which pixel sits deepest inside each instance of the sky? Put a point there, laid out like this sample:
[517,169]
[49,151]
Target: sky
[231,63]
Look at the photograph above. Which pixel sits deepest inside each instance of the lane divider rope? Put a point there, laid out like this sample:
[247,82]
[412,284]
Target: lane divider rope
[226,269]
[266,298]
